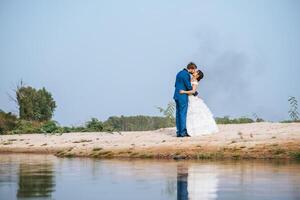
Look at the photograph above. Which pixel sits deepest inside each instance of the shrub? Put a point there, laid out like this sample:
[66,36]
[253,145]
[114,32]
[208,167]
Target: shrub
[66,129]
[227,120]
[137,123]
[94,125]
[8,122]
[24,127]
[50,127]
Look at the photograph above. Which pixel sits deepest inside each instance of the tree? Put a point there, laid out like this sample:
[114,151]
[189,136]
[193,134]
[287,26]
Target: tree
[34,104]
[169,111]
[293,112]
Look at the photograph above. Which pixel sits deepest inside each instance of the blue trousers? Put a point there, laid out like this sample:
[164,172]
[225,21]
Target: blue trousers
[181,112]
[182,184]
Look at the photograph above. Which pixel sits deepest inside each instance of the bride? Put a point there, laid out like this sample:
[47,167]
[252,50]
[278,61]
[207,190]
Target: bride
[199,119]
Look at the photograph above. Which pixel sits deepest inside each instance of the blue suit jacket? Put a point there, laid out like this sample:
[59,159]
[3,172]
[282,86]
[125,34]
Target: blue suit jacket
[183,82]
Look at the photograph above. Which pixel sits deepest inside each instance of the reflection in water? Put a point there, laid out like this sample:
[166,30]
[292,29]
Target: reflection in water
[196,182]
[35,180]
[202,182]
[25,176]
[182,176]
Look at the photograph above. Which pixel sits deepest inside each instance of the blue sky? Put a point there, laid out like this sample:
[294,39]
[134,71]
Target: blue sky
[104,58]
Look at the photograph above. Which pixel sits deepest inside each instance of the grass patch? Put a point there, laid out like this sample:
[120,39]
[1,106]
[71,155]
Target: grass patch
[295,155]
[7,143]
[202,156]
[278,151]
[69,155]
[97,149]
[236,157]
[82,140]
[102,154]
[215,155]
[60,153]
[122,152]
[146,155]
[70,149]
[134,154]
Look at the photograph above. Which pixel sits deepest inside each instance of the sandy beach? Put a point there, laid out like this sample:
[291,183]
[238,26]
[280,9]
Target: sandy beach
[238,141]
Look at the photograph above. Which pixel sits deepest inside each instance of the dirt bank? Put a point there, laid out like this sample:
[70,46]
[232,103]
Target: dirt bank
[237,141]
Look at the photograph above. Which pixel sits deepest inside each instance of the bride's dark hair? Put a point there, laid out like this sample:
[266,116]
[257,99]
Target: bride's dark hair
[201,75]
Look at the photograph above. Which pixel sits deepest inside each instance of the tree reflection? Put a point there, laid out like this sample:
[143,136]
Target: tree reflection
[36,180]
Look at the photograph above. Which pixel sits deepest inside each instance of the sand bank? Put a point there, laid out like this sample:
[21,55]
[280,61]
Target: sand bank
[237,141]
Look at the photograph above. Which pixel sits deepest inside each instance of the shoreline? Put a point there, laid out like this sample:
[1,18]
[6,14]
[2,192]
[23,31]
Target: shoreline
[262,140]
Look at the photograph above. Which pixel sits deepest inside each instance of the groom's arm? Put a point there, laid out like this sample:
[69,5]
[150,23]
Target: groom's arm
[189,91]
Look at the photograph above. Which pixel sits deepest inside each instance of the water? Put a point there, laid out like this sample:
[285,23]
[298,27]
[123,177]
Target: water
[30,176]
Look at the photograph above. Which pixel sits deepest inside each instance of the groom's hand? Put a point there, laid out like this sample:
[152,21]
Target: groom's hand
[195,94]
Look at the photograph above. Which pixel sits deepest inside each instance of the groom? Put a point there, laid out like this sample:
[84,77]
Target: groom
[183,82]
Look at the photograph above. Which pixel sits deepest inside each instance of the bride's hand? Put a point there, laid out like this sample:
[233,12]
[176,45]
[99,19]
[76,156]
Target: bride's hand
[182,92]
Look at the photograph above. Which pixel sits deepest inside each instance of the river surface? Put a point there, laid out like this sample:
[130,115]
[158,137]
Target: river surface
[32,176]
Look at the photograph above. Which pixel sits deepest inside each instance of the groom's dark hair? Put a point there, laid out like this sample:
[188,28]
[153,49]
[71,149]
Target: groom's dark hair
[191,65]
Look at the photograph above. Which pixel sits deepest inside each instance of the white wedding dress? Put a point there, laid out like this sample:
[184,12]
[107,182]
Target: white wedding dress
[203,182]
[199,119]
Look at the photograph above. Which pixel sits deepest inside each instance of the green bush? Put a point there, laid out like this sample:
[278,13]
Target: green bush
[8,122]
[295,155]
[259,120]
[50,127]
[24,127]
[66,129]
[290,121]
[94,125]
[241,120]
[138,123]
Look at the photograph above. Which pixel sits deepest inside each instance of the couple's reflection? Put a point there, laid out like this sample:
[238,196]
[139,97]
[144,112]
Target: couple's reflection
[35,180]
[196,181]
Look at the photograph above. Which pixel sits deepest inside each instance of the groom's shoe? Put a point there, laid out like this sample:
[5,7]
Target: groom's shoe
[184,135]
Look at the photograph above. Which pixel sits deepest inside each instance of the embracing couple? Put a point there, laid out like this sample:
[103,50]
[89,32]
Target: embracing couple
[193,117]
